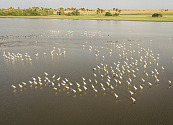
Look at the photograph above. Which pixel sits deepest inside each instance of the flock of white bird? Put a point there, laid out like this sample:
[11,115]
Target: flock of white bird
[135,70]
[12,57]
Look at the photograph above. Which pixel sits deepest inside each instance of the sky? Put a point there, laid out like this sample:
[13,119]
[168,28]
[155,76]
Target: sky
[91,4]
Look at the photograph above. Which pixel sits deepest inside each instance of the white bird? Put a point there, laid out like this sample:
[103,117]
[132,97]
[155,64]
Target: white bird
[128,83]
[130,79]
[53,76]
[54,88]
[78,84]
[53,84]
[74,91]
[102,75]
[89,80]
[93,86]
[20,86]
[95,81]
[24,83]
[116,96]
[80,90]
[103,88]
[134,75]
[169,81]
[34,78]
[14,87]
[150,83]
[67,87]
[58,78]
[95,90]
[141,87]
[112,87]
[146,74]
[36,54]
[94,69]
[83,78]
[70,83]
[66,79]
[131,93]
[133,99]
[46,73]
[143,80]
[108,83]
[135,87]
[85,88]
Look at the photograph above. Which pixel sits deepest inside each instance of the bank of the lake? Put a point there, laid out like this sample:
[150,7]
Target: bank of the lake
[165,18]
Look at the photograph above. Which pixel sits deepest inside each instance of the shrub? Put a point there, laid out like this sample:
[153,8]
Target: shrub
[157,15]
[108,14]
[74,13]
[116,14]
[68,14]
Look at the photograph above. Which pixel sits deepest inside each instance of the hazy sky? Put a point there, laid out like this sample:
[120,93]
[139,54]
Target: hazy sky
[90,4]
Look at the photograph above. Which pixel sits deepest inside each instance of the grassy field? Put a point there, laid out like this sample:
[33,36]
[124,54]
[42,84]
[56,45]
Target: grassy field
[166,18]
[128,15]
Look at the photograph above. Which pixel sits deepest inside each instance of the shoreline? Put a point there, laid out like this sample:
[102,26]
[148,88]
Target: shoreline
[145,18]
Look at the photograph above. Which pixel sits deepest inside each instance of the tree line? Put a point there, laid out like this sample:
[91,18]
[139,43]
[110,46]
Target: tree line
[36,11]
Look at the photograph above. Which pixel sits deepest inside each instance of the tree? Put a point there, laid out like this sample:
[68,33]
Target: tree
[116,9]
[157,15]
[83,9]
[116,14]
[74,13]
[87,11]
[108,14]
[98,10]
[61,11]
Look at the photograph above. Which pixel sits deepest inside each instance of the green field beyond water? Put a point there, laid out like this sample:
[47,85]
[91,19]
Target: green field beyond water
[165,18]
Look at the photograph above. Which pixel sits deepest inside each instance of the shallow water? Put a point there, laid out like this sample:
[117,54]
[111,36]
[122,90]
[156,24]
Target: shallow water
[41,104]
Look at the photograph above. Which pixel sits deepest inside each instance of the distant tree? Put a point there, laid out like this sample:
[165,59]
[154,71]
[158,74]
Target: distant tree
[98,10]
[116,9]
[68,9]
[74,13]
[113,9]
[83,9]
[73,9]
[61,11]
[108,14]
[102,10]
[119,11]
[68,14]
[61,8]
[116,14]
[157,15]
[87,11]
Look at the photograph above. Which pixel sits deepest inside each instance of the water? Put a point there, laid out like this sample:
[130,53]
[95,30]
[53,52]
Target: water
[41,104]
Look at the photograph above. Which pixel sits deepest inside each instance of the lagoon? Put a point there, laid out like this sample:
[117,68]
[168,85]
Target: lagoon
[73,48]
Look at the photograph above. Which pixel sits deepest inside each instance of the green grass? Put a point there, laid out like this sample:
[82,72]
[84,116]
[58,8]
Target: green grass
[165,18]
